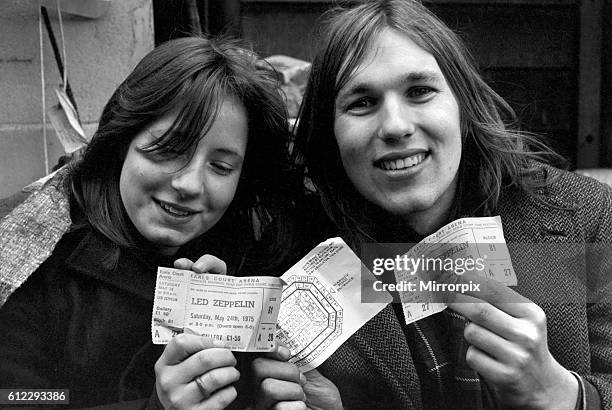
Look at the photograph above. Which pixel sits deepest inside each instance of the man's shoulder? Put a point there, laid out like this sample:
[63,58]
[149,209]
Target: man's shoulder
[560,201]
[571,188]
[554,188]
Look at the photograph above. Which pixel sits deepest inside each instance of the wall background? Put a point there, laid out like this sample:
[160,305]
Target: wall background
[551,59]
[100,53]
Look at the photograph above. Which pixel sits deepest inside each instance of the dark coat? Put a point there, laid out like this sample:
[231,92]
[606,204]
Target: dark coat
[78,324]
[547,241]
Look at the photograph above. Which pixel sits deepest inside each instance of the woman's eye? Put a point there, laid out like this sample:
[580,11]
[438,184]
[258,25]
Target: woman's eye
[165,154]
[361,105]
[171,153]
[420,92]
[222,168]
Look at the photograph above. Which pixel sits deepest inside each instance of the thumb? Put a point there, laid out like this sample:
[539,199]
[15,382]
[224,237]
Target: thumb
[321,393]
[314,378]
[313,374]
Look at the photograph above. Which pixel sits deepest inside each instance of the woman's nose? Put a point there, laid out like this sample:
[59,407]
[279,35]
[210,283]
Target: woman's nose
[396,119]
[189,181]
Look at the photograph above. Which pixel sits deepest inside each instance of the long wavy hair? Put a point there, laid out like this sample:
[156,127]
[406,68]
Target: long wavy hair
[494,153]
[191,77]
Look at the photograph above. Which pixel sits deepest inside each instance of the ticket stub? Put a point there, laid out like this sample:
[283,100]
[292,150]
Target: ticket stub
[479,240]
[321,306]
[240,312]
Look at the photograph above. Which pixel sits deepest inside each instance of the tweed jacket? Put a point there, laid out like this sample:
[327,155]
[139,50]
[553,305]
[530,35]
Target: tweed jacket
[553,241]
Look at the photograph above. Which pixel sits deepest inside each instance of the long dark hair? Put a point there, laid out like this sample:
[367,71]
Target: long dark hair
[191,77]
[494,154]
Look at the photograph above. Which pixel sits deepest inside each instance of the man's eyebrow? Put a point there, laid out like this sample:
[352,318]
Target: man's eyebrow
[414,76]
[425,75]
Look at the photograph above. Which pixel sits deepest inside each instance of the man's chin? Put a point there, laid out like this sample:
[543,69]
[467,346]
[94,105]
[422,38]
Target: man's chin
[406,209]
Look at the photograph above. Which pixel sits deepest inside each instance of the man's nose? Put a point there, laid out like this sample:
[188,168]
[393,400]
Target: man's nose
[396,119]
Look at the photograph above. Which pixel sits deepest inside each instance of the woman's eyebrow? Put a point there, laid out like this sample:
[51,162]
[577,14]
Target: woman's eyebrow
[228,151]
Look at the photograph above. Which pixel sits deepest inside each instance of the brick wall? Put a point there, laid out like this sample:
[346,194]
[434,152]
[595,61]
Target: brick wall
[100,53]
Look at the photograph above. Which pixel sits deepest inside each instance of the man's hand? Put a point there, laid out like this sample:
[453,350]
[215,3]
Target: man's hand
[283,387]
[509,348]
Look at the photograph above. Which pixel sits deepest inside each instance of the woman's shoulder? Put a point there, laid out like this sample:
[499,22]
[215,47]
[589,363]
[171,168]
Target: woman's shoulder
[68,244]
[83,260]
[30,232]
[42,287]
[54,268]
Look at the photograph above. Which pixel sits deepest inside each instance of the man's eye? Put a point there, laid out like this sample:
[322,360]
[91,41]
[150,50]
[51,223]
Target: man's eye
[362,104]
[420,92]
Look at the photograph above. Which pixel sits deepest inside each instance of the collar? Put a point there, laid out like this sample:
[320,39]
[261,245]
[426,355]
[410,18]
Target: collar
[134,273]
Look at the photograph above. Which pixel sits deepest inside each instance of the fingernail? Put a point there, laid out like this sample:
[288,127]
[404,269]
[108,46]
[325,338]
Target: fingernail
[303,379]
[284,353]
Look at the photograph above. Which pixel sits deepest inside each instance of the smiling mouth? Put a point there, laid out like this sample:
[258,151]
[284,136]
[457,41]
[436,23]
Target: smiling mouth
[175,210]
[400,164]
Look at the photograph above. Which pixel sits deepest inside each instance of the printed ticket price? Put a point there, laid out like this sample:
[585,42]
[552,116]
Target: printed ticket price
[239,312]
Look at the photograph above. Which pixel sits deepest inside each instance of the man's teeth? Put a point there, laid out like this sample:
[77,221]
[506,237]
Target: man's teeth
[172,210]
[402,163]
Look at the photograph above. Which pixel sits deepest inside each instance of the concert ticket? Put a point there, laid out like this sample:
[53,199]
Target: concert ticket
[476,240]
[321,306]
[238,312]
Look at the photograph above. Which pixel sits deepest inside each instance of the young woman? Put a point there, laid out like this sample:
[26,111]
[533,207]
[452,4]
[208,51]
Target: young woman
[400,135]
[189,159]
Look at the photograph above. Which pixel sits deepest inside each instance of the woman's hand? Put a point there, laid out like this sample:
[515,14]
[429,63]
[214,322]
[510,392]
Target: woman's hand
[193,373]
[283,387]
[206,264]
[509,348]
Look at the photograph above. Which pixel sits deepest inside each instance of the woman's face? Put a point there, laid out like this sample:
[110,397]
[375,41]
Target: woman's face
[398,131]
[172,200]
